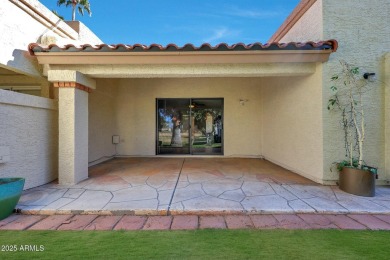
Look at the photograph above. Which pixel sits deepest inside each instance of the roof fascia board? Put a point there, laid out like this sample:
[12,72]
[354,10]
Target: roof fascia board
[191,70]
[219,57]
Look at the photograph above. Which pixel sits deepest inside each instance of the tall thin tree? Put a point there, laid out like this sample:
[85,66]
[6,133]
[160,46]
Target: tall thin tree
[80,5]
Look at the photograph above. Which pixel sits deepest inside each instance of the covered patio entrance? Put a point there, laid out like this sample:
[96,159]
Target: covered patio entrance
[269,92]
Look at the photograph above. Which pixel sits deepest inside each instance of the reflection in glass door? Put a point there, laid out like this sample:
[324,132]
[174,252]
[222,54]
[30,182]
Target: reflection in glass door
[206,125]
[190,126]
[173,126]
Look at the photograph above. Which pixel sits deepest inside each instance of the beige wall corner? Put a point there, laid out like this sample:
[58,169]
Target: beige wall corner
[102,123]
[292,124]
[73,135]
[386,84]
[85,35]
[305,23]
[71,76]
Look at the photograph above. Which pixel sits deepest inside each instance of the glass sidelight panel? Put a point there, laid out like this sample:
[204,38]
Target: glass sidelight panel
[190,126]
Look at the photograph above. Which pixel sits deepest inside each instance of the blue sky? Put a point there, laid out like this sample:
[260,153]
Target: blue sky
[184,21]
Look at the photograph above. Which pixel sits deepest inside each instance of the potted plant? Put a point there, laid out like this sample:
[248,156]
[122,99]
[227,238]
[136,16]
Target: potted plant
[349,90]
[10,191]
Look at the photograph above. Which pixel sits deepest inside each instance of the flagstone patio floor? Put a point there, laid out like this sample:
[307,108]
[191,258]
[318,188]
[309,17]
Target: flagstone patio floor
[196,186]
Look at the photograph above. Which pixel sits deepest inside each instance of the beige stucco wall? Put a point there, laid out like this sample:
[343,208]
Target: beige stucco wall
[28,128]
[13,47]
[35,23]
[309,27]
[292,123]
[386,80]
[361,28]
[85,35]
[293,126]
[136,115]
[28,124]
[102,123]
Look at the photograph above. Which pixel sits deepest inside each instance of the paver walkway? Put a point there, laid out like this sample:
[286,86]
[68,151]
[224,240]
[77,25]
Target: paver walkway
[174,186]
[191,222]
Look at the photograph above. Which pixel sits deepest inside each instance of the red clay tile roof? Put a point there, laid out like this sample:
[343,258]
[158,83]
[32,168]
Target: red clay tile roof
[322,45]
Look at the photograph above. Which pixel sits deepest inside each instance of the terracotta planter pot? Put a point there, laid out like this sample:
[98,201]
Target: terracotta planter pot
[10,191]
[358,182]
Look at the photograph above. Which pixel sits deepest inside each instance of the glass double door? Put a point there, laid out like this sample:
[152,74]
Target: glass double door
[190,126]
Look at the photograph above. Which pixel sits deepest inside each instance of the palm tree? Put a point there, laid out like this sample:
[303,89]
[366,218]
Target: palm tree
[81,5]
[58,15]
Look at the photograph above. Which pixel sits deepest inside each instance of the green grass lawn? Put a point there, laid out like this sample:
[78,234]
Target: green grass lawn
[199,244]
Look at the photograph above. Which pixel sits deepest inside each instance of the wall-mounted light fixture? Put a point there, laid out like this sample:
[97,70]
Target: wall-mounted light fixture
[370,76]
[243,101]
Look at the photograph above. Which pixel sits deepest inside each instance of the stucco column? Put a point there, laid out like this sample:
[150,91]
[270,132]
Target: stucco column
[386,73]
[45,89]
[73,126]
